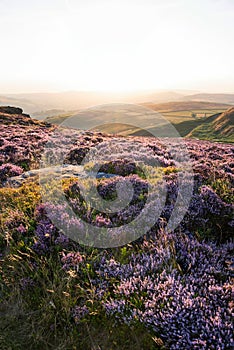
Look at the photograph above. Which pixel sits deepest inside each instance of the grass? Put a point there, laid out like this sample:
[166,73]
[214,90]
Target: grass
[206,132]
[180,115]
[40,317]
[185,127]
[26,330]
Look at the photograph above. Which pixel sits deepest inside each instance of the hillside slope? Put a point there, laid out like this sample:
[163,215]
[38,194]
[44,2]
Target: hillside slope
[224,123]
[217,127]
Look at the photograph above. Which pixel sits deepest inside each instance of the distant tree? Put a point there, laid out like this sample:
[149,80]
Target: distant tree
[193,115]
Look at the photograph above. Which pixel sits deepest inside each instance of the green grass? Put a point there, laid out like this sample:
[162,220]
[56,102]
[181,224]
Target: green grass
[185,127]
[206,132]
[20,329]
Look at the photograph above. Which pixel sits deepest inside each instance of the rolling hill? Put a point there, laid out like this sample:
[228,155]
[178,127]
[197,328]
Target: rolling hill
[173,106]
[185,116]
[168,109]
[40,104]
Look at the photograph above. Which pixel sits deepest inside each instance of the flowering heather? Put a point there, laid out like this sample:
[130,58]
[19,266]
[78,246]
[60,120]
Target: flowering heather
[79,312]
[71,260]
[46,234]
[7,170]
[177,284]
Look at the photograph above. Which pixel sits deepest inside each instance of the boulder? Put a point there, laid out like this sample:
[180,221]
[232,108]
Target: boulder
[10,110]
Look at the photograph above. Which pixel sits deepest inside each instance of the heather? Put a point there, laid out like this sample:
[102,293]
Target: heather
[164,290]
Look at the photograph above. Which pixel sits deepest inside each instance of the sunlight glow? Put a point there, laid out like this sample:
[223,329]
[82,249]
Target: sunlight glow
[116,46]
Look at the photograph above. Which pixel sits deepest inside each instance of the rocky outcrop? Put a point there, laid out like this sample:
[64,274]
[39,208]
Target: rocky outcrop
[14,115]
[10,110]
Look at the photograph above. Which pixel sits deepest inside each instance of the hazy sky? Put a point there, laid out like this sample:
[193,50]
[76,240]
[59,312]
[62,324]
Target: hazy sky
[57,45]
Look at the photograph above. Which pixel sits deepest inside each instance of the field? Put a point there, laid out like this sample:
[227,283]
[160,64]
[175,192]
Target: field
[180,116]
[161,283]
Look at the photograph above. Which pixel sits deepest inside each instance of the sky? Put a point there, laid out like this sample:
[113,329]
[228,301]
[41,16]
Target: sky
[116,45]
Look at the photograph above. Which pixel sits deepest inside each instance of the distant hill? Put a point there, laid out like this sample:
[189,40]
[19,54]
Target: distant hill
[47,114]
[170,110]
[219,127]
[35,103]
[23,103]
[59,118]
[217,98]
[185,105]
